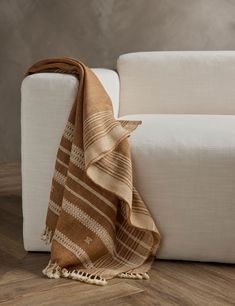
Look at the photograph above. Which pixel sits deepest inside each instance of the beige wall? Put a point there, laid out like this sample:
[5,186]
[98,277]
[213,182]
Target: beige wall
[96,32]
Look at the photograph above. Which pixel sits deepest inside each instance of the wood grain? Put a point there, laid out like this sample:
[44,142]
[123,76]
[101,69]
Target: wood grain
[10,179]
[172,282]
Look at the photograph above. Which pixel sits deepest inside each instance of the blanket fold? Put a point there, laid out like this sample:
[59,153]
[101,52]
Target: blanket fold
[97,223]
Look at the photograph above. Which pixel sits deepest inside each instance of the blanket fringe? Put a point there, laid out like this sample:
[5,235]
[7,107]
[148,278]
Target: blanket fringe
[53,270]
[47,235]
[134,275]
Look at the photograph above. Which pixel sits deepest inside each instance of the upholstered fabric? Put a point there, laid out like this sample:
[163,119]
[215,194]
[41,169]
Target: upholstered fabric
[189,82]
[45,105]
[184,168]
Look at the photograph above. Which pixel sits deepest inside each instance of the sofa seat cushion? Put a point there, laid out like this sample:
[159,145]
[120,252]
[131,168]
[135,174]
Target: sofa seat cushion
[188,82]
[184,168]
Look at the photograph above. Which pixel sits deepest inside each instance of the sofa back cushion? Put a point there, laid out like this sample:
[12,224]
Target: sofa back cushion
[177,82]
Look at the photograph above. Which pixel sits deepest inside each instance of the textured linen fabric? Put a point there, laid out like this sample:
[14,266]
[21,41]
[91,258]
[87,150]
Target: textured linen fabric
[189,82]
[184,168]
[96,220]
[46,99]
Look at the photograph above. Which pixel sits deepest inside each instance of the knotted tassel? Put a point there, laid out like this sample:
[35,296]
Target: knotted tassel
[47,235]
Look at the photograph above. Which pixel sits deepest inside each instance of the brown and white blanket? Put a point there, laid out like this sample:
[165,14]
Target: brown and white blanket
[97,223]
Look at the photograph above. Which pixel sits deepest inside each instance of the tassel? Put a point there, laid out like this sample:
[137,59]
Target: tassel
[47,235]
[52,270]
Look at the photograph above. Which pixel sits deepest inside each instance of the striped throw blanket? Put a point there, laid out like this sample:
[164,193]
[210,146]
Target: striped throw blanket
[97,223]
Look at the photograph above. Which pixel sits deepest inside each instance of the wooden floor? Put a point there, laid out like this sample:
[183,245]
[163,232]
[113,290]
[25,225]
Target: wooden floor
[171,283]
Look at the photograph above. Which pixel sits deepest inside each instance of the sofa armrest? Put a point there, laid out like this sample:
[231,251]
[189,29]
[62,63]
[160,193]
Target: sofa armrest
[46,100]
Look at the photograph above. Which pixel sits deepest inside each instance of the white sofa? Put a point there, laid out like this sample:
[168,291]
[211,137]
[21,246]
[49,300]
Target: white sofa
[183,153]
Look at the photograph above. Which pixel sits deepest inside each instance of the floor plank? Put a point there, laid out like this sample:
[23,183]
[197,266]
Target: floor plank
[75,294]
[10,178]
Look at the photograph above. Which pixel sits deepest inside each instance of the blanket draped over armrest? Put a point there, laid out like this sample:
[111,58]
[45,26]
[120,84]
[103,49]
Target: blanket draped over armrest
[97,223]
